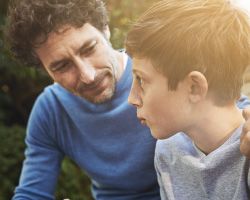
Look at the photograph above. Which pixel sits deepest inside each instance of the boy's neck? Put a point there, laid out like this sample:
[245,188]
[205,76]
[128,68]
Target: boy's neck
[214,126]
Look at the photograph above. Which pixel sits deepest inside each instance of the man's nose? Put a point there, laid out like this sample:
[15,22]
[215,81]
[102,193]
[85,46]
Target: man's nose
[134,97]
[87,71]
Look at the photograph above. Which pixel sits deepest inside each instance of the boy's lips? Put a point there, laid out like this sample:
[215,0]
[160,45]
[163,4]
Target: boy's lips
[142,120]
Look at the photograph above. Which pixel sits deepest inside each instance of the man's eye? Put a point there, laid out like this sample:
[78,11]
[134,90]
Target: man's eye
[89,50]
[61,68]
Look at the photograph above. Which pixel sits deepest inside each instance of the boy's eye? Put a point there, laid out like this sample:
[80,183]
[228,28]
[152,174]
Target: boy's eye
[139,81]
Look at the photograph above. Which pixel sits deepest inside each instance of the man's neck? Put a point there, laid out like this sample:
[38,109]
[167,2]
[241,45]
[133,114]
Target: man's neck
[213,128]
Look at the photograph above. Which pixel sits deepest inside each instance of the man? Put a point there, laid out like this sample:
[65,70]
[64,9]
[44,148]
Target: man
[85,114]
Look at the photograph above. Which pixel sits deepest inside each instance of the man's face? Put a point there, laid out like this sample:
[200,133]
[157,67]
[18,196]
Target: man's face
[82,61]
[162,110]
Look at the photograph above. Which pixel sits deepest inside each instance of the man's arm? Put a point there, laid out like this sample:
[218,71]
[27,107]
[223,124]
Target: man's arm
[245,136]
[244,103]
[42,157]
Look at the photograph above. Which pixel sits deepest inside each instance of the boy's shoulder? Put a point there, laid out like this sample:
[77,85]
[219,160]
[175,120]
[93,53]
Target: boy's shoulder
[179,143]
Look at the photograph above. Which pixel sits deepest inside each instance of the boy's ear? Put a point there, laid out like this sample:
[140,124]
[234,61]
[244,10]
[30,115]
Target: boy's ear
[198,86]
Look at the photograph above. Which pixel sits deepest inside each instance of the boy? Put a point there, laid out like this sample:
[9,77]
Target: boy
[188,61]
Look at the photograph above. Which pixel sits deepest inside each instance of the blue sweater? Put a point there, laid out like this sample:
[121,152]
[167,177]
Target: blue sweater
[106,141]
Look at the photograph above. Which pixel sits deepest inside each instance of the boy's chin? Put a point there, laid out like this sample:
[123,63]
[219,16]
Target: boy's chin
[160,135]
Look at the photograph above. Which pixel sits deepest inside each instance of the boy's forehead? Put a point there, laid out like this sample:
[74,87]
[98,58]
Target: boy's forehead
[139,62]
[143,66]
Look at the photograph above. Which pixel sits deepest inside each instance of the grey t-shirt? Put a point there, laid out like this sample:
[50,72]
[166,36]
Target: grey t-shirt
[186,173]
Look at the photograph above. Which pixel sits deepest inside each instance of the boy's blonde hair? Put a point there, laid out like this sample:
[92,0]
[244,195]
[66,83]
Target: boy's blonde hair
[209,36]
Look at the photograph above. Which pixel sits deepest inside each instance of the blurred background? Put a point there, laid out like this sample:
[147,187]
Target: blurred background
[19,87]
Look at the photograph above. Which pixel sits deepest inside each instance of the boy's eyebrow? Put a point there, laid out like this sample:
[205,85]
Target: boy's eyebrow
[136,71]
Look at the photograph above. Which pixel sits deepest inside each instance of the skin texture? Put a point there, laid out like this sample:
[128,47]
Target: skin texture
[82,61]
[159,108]
[190,108]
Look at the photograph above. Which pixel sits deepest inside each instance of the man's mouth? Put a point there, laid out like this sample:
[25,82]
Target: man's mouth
[95,85]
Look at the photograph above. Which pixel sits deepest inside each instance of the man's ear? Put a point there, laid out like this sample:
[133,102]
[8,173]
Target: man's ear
[106,32]
[198,86]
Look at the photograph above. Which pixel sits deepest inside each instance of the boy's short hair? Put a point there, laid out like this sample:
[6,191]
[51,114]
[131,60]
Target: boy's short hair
[180,36]
[29,19]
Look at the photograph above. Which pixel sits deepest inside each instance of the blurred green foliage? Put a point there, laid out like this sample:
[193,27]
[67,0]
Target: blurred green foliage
[11,156]
[19,87]
[122,14]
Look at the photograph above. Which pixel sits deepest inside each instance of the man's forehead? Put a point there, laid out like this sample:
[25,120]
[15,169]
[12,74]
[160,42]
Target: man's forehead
[85,29]
[65,30]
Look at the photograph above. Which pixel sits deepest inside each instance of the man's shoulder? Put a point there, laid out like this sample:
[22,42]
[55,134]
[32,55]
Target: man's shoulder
[51,97]
[54,91]
[54,88]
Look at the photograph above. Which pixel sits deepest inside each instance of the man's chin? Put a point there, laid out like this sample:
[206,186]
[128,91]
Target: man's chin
[102,98]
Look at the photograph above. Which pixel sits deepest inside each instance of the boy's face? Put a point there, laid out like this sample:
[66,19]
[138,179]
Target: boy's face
[82,61]
[164,111]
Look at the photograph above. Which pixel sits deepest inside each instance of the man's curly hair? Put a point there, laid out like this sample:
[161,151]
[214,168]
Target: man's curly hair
[29,19]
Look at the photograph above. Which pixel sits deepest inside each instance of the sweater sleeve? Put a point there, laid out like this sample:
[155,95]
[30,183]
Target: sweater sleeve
[248,176]
[42,156]
[159,177]
[243,102]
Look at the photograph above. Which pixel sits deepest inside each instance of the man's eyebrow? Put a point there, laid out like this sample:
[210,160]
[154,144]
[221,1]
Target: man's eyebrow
[84,46]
